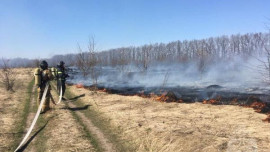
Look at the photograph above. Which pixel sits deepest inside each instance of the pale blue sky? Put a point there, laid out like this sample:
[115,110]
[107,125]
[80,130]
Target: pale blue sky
[42,28]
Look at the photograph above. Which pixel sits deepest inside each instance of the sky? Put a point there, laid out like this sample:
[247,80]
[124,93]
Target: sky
[43,28]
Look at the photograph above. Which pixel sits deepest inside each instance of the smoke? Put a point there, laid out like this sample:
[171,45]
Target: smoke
[235,74]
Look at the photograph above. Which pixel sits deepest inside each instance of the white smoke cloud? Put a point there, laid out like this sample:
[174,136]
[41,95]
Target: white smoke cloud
[235,74]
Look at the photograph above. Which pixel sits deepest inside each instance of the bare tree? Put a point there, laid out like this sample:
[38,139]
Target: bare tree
[88,63]
[7,76]
[82,61]
[144,60]
[265,67]
[204,52]
[93,62]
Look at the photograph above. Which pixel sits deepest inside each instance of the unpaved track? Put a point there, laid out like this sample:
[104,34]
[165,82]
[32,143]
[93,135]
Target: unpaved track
[104,142]
[55,131]
[63,132]
[30,144]
[95,132]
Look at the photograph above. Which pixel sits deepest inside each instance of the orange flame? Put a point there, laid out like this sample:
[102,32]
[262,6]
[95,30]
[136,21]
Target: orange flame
[103,90]
[167,97]
[257,106]
[211,101]
[267,119]
[79,85]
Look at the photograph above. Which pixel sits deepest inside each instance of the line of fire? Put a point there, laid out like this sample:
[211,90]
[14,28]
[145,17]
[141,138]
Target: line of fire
[137,84]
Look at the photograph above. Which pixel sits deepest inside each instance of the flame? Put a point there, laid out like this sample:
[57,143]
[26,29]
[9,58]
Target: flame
[260,107]
[164,96]
[211,101]
[167,97]
[267,119]
[103,90]
[257,106]
[79,85]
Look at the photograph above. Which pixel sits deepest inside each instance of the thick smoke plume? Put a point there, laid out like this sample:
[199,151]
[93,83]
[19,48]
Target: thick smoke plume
[236,74]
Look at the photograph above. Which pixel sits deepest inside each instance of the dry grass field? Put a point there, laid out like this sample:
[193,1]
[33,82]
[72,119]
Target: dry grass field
[156,126]
[11,108]
[147,125]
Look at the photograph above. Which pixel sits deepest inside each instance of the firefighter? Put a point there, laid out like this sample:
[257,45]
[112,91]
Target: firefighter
[42,76]
[61,78]
[54,72]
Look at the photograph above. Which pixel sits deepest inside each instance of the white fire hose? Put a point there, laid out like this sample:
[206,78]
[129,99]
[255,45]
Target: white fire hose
[60,95]
[36,117]
[38,113]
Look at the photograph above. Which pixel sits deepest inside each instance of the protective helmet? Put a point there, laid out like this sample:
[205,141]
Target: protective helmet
[43,65]
[61,63]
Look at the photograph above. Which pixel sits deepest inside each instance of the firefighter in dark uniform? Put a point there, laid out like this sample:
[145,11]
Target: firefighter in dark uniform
[42,76]
[61,78]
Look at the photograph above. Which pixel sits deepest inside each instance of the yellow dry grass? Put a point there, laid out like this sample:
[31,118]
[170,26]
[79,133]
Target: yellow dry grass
[11,106]
[155,126]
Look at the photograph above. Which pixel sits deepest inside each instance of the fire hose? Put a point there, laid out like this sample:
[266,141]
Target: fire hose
[60,93]
[36,117]
[38,112]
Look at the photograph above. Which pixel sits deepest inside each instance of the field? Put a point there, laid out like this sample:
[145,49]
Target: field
[157,126]
[99,121]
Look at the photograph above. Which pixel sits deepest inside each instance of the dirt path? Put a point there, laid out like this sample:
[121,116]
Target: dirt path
[56,130]
[75,117]
[63,132]
[31,143]
[104,142]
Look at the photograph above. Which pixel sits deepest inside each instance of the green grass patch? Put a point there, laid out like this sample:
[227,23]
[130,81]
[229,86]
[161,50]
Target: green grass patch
[103,123]
[21,124]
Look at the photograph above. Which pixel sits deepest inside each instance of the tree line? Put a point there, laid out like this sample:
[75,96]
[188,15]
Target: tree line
[203,51]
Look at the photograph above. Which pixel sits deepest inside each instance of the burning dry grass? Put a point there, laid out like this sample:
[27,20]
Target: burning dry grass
[267,119]
[79,85]
[159,126]
[258,106]
[165,97]
[11,108]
